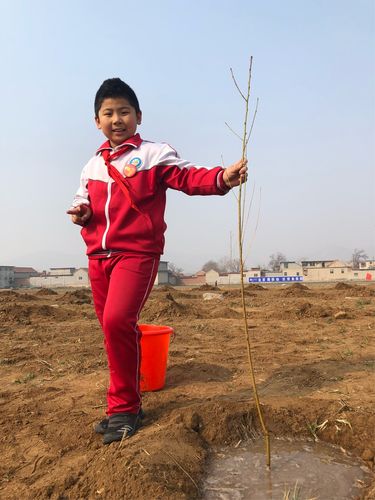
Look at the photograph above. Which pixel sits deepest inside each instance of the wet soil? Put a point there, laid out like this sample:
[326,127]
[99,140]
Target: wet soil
[314,358]
[305,470]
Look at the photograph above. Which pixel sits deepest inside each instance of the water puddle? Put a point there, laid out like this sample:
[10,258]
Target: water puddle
[307,471]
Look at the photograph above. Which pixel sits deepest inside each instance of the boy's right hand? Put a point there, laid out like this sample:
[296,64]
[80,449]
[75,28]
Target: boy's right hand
[80,214]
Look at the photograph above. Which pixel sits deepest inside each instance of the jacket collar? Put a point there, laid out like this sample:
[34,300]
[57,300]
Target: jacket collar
[135,141]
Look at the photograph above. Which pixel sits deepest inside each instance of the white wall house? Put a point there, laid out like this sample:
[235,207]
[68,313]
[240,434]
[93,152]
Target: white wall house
[367,264]
[254,272]
[290,268]
[62,277]
[335,270]
[229,279]
[214,278]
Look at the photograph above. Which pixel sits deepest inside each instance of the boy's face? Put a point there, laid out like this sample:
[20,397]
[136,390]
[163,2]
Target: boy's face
[118,120]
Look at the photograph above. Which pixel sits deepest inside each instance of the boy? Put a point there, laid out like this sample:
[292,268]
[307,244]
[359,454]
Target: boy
[120,204]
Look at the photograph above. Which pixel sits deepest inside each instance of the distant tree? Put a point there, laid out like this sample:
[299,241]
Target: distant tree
[358,257]
[275,260]
[228,265]
[177,271]
[211,264]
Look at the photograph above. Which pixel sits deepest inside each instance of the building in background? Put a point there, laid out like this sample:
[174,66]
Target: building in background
[335,270]
[315,263]
[165,276]
[72,277]
[290,268]
[308,271]
[367,264]
[6,276]
[22,276]
[61,277]
[197,279]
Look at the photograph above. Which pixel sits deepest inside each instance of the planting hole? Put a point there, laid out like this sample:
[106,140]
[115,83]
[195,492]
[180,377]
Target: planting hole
[298,470]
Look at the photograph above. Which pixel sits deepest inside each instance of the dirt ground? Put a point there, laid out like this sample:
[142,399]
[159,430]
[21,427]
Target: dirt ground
[314,357]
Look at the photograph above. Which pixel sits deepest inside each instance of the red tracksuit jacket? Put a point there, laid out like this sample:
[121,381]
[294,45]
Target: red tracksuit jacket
[115,226]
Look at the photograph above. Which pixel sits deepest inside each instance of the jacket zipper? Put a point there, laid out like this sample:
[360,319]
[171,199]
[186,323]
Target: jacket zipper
[106,211]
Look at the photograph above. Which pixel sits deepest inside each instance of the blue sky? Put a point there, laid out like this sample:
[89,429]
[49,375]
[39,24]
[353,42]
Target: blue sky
[312,152]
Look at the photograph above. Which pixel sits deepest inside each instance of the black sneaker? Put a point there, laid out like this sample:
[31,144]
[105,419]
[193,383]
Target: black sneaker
[121,426]
[101,427]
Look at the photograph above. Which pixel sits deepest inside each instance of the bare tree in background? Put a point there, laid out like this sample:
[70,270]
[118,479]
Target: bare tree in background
[211,264]
[228,265]
[176,271]
[358,257]
[275,261]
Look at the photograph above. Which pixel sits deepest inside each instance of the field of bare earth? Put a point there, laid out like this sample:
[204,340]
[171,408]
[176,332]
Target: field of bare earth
[314,357]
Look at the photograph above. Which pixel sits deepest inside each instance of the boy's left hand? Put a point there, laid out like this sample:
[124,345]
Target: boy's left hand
[235,174]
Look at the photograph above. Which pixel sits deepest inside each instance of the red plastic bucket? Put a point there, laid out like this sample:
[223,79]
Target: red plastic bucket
[155,345]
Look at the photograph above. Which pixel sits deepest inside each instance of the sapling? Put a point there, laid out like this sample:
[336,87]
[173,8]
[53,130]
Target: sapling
[241,222]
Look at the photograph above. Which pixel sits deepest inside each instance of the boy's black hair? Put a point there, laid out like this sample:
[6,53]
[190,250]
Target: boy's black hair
[112,88]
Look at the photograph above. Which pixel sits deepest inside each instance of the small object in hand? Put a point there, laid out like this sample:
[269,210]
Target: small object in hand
[130,170]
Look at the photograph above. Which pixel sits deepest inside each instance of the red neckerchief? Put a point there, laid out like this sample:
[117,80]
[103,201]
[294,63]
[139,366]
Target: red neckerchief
[134,141]
[105,149]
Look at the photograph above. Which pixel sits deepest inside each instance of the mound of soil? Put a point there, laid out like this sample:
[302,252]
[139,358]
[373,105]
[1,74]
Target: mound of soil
[8,295]
[255,286]
[46,291]
[167,310]
[297,377]
[207,288]
[356,290]
[11,296]
[295,290]
[342,286]
[82,296]
[225,313]
[298,286]
[26,297]
[21,314]
[307,310]
[366,291]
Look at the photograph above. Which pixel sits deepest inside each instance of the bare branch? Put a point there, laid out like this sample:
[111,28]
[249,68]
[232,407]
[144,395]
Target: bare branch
[235,133]
[256,225]
[252,123]
[236,84]
[248,215]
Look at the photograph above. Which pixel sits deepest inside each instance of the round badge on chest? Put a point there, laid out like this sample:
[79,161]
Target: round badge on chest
[130,170]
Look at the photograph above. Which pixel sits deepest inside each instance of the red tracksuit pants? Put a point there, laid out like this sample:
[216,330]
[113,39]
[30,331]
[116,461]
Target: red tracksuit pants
[120,286]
